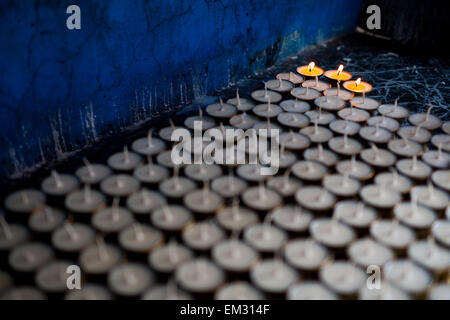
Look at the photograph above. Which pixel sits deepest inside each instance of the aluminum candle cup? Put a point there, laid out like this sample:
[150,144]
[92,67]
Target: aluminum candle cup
[345,146]
[266,96]
[96,260]
[130,280]
[295,106]
[331,233]
[121,185]
[355,169]
[93,174]
[376,157]
[57,186]
[413,168]
[166,259]
[221,110]
[52,278]
[89,292]
[307,94]
[234,256]
[70,239]
[124,161]
[151,174]
[345,127]
[380,197]
[273,276]
[293,120]
[322,117]
[310,290]
[368,104]
[85,202]
[330,103]
[45,221]
[228,186]
[404,147]
[340,93]
[142,203]
[395,181]
[366,252]
[318,154]
[432,257]
[343,278]
[236,218]
[317,134]
[166,132]
[238,290]
[393,111]
[165,159]
[242,104]
[21,203]
[243,121]
[199,276]
[431,197]
[315,198]
[407,276]
[287,158]
[305,255]
[25,259]
[309,170]
[392,234]
[138,240]
[341,185]
[148,146]
[355,214]
[261,198]
[415,216]
[265,238]
[171,218]
[280,85]
[384,122]
[202,236]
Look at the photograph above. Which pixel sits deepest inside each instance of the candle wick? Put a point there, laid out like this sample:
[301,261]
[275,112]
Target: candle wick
[265,90]
[279,83]
[395,105]
[5,227]
[168,215]
[48,214]
[87,194]
[102,250]
[149,138]
[428,113]
[89,167]
[138,233]
[73,234]
[57,179]
[126,155]
[172,125]
[317,81]
[238,98]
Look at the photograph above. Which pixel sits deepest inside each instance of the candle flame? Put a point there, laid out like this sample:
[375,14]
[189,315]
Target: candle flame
[311,66]
[341,67]
[357,82]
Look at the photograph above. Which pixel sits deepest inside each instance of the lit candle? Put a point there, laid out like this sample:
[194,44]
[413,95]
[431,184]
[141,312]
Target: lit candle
[199,276]
[392,234]
[239,290]
[358,86]
[292,218]
[407,276]
[380,196]
[124,161]
[339,74]
[343,278]
[293,120]
[241,104]
[149,145]
[366,252]
[221,110]
[167,258]
[315,198]
[279,85]
[140,238]
[355,169]
[130,279]
[234,256]
[171,218]
[310,290]
[417,134]
[305,254]
[425,120]
[413,168]
[319,154]
[295,106]
[273,276]
[311,70]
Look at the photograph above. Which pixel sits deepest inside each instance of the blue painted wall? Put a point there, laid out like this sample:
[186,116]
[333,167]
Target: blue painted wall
[62,90]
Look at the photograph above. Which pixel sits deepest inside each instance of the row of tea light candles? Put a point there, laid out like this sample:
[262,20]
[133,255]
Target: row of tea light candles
[311,69]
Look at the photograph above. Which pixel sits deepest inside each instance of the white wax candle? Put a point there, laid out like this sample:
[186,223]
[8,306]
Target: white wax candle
[305,93]
[85,201]
[251,172]
[99,258]
[267,110]
[284,185]
[425,120]
[355,169]
[441,178]
[120,185]
[89,292]
[341,185]
[73,237]
[446,127]
[264,237]
[331,233]
[322,117]
[203,201]
[316,84]
[342,277]
[405,148]
[365,103]
[149,145]
[167,258]
[234,256]
[59,184]
[243,121]
[29,257]
[203,172]
[378,157]
[273,276]
[228,186]
[294,141]
[375,134]
[292,218]
[11,235]
[341,93]
[354,114]
[441,231]
[417,134]
[440,292]
[310,290]
[207,122]
[124,161]
[199,276]
[242,104]
[309,170]
[386,292]
[23,293]
[295,106]
[261,198]
[407,276]
[46,220]
[293,120]
[431,197]
[287,158]
[317,134]
[279,85]
[437,159]
[52,278]
[221,110]
[140,238]
[236,218]
[151,173]
[394,180]
[366,252]
[268,126]
[315,198]
[166,132]
[24,201]
[330,103]
[392,234]
[238,290]
[384,122]
[354,213]
[306,255]
[165,158]
[293,77]
[413,215]
[176,187]
[130,279]
[426,253]
[413,168]
[393,111]
[171,218]
[266,95]
[326,157]
[380,196]
[441,141]
[145,201]
[343,127]
[93,173]
[112,219]
[202,235]
[344,145]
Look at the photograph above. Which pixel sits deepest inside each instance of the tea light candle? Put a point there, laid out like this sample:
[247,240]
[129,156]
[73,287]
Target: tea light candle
[265,237]
[343,127]
[338,92]
[315,198]
[437,159]
[316,84]
[293,120]
[234,256]
[206,122]
[366,252]
[228,186]
[386,292]
[431,197]
[441,141]
[221,110]
[203,201]
[52,278]
[286,158]
[295,106]
[394,180]
[251,172]
[375,134]
[89,292]
[394,111]
[417,134]
[266,95]
[165,158]
[203,172]
[165,292]
[413,168]
[279,85]
[140,238]
[326,157]
[23,293]
[167,258]
[11,235]
[28,257]
[151,173]
[353,114]
[339,74]
[342,277]
[236,218]
[46,220]
[354,213]
[317,134]
[441,178]
[98,259]
[202,236]
[380,196]
[310,70]
[113,219]
[166,132]
[59,185]
[267,110]
[171,218]
[322,117]
[273,276]
[407,276]
[341,185]
[293,77]
[261,198]
[309,170]
[294,141]
[241,104]
[405,147]
[24,201]
[441,231]
[355,169]
[92,173]
[425,120]
[199,276]
[144,202]
[149,145]
[243,121]
[378,157]
[306,255]
[307,93]
[130,279]
[345,146]
[292,218]
[364,103]
[72,237]
[284,185]
[176,187]
[440,292]
[330,103]
[384,122]
[358,86]
[121,185]
[238,290]
[429,255]
[310,290]
[124,161]
[85,201]
[392,234]
[331,233]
